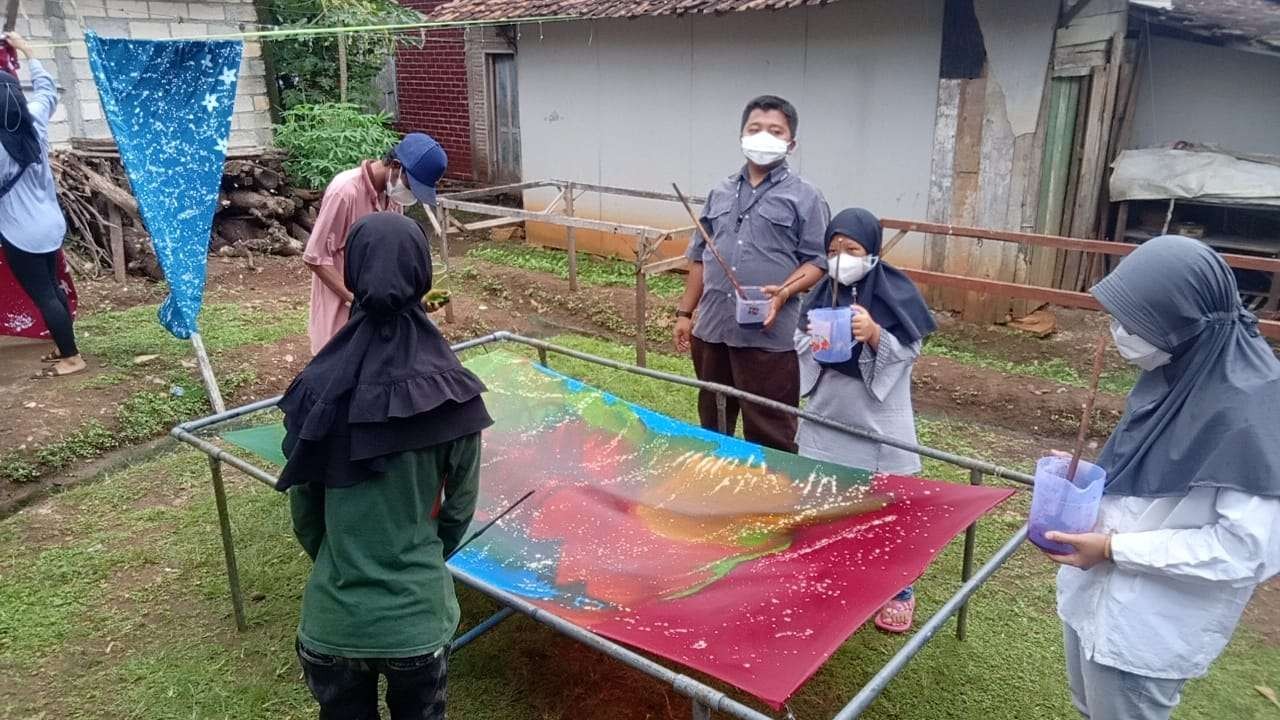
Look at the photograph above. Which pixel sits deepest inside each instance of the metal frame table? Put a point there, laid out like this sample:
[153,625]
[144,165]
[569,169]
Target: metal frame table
[705,699]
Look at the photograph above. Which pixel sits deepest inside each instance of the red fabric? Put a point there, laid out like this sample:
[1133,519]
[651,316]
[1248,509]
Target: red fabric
[773,621]
[18,314]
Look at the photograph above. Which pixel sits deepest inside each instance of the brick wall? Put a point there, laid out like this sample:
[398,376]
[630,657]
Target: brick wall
[80,111]
[431,90]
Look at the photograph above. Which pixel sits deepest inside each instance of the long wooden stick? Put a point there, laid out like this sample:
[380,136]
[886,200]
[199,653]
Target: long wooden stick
[1098,353]
[490,524]
[710,243]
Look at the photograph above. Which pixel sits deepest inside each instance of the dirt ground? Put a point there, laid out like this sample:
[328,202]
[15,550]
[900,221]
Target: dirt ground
[34,413]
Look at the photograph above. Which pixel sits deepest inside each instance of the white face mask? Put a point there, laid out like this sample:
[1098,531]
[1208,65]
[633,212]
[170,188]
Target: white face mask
[399,193]
[764,149]
[848,269]
[1136,350]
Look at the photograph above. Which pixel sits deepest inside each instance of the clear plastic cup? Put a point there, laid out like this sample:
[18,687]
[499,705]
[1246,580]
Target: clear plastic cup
[754,308]
[1058,505]
[831,333]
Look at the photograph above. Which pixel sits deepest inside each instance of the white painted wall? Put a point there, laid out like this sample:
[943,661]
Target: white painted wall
[647,102]
[1207,94]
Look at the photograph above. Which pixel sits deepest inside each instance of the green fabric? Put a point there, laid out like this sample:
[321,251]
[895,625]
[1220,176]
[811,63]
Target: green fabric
[379,587]
[262,441]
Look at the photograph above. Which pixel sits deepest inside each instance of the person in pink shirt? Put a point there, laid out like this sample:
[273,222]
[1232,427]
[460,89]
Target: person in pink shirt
[408,174]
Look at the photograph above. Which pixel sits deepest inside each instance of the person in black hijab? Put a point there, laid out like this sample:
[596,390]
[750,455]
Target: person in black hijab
[872,389]
[382,436]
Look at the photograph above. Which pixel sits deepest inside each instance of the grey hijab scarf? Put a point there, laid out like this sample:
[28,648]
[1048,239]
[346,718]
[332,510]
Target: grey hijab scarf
[1211,417]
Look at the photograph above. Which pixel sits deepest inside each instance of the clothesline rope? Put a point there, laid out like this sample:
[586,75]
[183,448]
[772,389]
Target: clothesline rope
[292,33]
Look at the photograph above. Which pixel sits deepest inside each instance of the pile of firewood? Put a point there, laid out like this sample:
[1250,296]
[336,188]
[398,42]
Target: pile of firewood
[258,211]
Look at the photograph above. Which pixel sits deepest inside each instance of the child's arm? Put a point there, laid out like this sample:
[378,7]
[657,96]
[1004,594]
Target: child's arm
[306,505]
[462,487]
[1242,548]
[884,365]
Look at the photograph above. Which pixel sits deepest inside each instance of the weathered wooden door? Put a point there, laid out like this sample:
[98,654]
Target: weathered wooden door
[504,119]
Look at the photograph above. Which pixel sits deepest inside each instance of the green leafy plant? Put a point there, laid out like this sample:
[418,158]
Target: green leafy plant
[599,272]
[17,469]
[306,67]
[323,140]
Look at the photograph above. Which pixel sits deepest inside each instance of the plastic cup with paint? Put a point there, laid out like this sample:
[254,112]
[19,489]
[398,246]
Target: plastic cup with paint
[831,333]
[1061,505]
[754,308]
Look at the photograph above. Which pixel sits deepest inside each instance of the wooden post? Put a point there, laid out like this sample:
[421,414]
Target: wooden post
[571,240]
[442,218]
[118,263]
[1168,217]
[206,374]
[342,68]
[642,315]
[219,488]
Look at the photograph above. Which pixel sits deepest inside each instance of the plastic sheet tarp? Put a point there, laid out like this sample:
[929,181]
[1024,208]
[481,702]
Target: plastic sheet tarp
[748,564]
[1164,174]
[169,104]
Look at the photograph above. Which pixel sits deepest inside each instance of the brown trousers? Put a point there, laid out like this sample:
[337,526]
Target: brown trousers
[773,375]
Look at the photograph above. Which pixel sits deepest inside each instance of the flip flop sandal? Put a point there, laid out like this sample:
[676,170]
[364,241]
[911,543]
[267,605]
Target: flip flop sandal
[896,607]
[52,357]
[53,372]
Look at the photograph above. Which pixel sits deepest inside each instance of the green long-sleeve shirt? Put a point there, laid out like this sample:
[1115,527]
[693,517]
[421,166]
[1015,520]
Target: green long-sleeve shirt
[379,587]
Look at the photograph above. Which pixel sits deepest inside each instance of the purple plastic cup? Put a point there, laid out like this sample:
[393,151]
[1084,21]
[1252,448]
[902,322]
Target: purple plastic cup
[1058,505]
[752,309]
[832,333]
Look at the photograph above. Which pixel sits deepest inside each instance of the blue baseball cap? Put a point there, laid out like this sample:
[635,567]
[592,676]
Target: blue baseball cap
[424,163]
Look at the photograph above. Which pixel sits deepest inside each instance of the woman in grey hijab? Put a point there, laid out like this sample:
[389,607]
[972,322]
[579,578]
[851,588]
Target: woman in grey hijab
[1190,519]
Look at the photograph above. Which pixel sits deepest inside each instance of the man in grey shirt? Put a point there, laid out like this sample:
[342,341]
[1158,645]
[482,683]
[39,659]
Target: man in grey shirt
[769,227]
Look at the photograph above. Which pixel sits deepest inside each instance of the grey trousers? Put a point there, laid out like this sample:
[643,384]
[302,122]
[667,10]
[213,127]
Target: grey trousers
[1105,693]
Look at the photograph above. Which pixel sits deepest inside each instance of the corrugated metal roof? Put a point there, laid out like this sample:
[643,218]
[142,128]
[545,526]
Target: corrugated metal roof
[1249,22]
[516,9]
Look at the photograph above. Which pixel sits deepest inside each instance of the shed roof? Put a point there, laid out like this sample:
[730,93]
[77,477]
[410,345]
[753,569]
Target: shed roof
[1251,23]
[516,9]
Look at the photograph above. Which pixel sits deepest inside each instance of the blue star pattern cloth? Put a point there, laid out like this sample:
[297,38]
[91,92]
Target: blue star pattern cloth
[169,104]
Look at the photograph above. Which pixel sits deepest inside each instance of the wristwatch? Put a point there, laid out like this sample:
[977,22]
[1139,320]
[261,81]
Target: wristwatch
[684,314]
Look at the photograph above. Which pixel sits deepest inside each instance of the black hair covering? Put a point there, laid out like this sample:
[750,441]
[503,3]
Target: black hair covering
[889,295]
[388,382]
[18,134]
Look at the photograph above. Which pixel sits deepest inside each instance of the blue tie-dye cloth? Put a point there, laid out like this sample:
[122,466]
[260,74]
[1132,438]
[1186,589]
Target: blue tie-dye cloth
[169,104]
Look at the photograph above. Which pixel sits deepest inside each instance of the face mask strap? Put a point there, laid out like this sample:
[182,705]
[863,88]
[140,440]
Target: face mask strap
[8,100]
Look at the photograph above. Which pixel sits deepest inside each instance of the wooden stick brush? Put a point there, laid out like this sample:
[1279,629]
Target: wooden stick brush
[1098,354]
[488,525]
[710,243]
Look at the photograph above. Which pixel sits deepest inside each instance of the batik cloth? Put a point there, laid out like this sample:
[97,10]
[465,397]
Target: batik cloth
[745,563]
[169,104]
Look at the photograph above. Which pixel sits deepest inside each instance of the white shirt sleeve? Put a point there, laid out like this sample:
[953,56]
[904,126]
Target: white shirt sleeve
[883,369]
[1241,548]
[809,368]
[44,98]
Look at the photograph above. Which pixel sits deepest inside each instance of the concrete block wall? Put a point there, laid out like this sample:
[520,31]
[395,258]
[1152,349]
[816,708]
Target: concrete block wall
[62,24]
[431,90]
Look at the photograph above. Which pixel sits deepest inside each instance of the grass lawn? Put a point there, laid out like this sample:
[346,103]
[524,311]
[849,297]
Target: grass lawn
[171,391]
[113,604]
